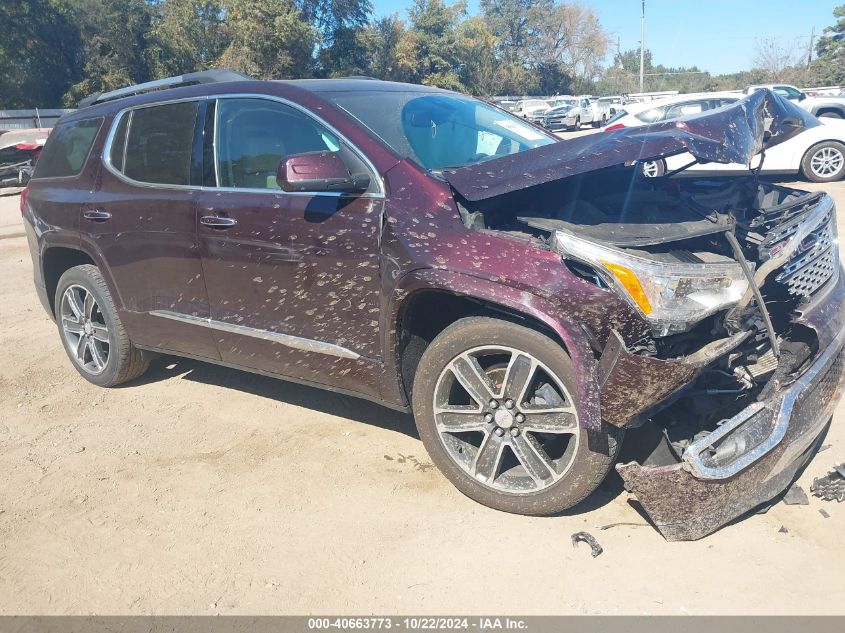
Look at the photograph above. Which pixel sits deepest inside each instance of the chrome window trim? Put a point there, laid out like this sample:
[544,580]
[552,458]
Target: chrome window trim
[106,152]
[288,340]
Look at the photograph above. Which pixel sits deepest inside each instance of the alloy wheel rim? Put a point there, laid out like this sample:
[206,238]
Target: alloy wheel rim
[84,329]
[650,169]
[506,419]
[827,162]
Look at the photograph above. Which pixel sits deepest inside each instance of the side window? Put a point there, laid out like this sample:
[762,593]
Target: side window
[652,115]
[67,148]
[253,135]
[685,109]
[158,143]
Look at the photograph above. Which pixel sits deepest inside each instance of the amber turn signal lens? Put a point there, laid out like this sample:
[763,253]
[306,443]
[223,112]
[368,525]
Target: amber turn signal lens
[631,283]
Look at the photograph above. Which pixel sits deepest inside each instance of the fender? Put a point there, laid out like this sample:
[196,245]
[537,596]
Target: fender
[572,336]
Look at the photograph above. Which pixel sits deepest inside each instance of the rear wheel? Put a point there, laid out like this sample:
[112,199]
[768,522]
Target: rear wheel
[824,162]
[92,332]
[653,168]
[496,408]
[831,114]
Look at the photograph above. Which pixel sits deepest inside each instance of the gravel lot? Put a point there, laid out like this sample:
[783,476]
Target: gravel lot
[202,490]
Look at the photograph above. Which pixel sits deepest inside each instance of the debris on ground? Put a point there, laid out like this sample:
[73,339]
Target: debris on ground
[783,530]
[831,487]
[589,539]
[796,496]
[823,447]
[621,523]
[824,513]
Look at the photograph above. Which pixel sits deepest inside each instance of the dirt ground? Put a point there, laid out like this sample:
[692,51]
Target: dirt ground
[202,490]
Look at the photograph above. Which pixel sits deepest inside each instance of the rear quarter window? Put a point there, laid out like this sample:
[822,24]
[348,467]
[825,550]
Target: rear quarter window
[67,148]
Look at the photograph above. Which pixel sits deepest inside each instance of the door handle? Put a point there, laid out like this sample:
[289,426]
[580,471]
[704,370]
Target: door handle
[96,215]
[218,222]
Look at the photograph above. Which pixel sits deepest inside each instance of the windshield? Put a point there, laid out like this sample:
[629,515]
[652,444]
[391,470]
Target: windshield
[440,130]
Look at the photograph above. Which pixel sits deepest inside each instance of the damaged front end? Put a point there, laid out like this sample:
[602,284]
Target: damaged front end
[742,397]
[736,357]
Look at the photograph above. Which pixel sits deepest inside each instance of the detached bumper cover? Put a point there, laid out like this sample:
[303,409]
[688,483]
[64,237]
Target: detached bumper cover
[755,455]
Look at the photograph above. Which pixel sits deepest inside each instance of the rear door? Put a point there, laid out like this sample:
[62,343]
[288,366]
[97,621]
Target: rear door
[293,278]
[142,222]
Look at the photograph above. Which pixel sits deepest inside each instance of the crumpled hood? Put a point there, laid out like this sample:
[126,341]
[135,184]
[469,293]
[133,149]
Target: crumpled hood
[732,134]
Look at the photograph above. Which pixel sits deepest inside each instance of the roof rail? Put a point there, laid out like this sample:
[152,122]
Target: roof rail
[367,77]
[189,79]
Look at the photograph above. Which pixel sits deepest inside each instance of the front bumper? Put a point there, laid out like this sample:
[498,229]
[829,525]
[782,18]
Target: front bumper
[772,440]
[556,122]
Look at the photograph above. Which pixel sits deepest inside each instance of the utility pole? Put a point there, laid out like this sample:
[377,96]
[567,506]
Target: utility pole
[810,50]
[642,46]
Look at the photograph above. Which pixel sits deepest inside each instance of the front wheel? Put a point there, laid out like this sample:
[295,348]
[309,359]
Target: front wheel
[92,332]
[824,162]
[496,407]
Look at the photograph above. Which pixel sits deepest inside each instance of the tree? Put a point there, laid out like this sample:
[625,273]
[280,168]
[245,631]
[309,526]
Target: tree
[381,40]
[571,44]
[829,66]
[429,51]
[775,57]
[38,53]
[477,55]
[338,25]
[268,39]
[186,36]
[516,25]
[113,51]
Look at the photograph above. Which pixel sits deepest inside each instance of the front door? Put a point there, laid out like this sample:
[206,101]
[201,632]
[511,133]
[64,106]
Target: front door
[293,278]
[142,220]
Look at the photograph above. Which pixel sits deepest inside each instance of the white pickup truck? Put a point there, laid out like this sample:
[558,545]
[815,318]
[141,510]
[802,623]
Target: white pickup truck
[571,113]
[833,107]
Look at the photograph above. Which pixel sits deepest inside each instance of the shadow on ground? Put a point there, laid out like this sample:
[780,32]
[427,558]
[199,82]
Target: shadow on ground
[313,398]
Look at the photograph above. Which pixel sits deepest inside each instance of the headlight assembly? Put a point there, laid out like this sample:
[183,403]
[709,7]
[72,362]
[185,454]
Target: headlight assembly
[671,296]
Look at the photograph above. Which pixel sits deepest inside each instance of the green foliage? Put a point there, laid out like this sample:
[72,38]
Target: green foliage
[186,36]
[268,39]
[114,44]
[829,67]
[57,51]
[38,53]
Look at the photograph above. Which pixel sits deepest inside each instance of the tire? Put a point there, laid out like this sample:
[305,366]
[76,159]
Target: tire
[577,123]
[653,168]
[824,162]
[831,114]
[87,319]
[568,470]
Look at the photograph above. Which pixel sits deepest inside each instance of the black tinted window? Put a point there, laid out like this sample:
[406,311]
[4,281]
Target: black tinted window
[67,148]
[158,144]
[253,135]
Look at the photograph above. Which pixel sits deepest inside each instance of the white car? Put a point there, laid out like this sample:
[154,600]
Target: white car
[817,105]
[817,153]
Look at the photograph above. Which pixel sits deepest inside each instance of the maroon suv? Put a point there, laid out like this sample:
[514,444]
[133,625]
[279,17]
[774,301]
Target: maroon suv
[527,299]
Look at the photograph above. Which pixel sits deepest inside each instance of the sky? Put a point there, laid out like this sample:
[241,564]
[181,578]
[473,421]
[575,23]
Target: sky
[716,35]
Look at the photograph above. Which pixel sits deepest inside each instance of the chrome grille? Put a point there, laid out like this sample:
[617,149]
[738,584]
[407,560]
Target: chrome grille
[814,262]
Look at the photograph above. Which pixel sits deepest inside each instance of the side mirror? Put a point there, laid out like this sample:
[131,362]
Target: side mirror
[802,96]
[318,171]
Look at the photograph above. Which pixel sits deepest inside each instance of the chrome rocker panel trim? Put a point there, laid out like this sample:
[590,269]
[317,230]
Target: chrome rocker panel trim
[295,342]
